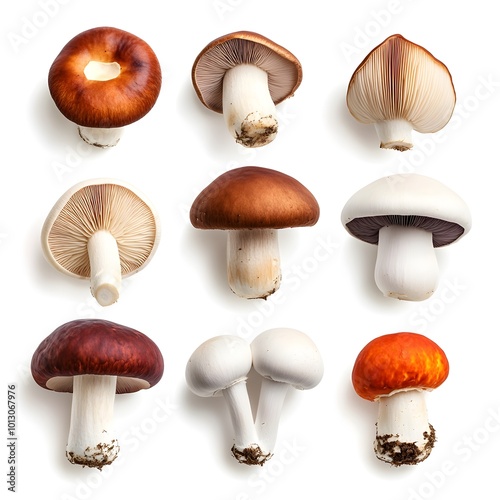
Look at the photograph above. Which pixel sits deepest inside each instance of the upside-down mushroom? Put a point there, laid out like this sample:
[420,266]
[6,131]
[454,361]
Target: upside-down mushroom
[400,87]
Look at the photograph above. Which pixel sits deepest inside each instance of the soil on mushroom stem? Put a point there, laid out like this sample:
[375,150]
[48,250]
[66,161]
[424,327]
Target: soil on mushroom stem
[404,453]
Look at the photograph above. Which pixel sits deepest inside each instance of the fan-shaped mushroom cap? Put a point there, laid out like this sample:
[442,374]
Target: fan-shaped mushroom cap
[403,83]
[244,47]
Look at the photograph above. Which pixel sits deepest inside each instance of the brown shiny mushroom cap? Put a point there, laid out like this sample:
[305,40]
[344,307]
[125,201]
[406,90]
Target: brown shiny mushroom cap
[112,103]
[254,198]
[97,347]
[244,47]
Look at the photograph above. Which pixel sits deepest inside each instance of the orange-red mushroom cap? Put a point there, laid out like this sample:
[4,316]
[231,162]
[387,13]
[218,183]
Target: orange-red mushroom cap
[398,362]
[105,104]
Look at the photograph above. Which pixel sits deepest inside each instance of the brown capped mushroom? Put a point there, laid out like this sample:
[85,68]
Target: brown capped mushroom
[102,230]
[104,79]
[244,75]
[95,359]
[251,203]
[400,87]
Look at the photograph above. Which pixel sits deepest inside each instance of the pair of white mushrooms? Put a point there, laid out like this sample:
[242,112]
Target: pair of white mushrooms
[283,357]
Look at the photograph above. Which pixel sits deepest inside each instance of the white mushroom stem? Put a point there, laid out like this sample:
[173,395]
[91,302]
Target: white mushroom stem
[91,441]
[395,134]
[248,109]
[253,262]
[271,399]
[404,435]
[100,137]
[105,267]
[406,266]
[240,411]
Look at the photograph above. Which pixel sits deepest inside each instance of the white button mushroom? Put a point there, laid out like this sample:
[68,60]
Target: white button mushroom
[221,365]
[407,216]
[284,358]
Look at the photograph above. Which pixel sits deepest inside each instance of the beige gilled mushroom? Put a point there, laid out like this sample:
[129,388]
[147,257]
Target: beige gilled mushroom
[101,230]
[400,87]
[244,75]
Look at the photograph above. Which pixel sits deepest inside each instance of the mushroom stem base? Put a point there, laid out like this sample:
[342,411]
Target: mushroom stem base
[404,435]
[253,262]
[100,137]
[90,441]
[395,134]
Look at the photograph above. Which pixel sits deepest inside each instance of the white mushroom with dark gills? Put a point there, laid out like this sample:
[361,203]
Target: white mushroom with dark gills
[285,358]
[102,230]
[95,359]
[400,87]
[396,371]
[103,80]
[244,75]
[408,216]
[251,204]
[220,366]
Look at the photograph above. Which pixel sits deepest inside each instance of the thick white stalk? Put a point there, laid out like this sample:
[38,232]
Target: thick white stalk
[105,267]
[395,134]
[406,266]
[246,447]
[253,262]
[91,441]
[247,106]
[271,399]
[404,435]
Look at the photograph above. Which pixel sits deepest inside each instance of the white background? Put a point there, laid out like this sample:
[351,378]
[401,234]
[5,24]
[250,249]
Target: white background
[174,444]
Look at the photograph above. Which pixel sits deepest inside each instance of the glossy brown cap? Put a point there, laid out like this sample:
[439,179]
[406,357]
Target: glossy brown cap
[396,362]
[254,197]
[244,47]
[97,347]
[112,103]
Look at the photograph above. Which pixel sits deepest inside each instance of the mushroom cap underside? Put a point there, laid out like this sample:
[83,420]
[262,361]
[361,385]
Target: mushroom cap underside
[407,200]
[244,47]
[112,103]
[97,347]
[400,80]
[396,362]
[254,198]
[95,205]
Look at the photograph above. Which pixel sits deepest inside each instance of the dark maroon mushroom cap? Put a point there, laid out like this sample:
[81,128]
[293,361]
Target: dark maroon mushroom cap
[97,347]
